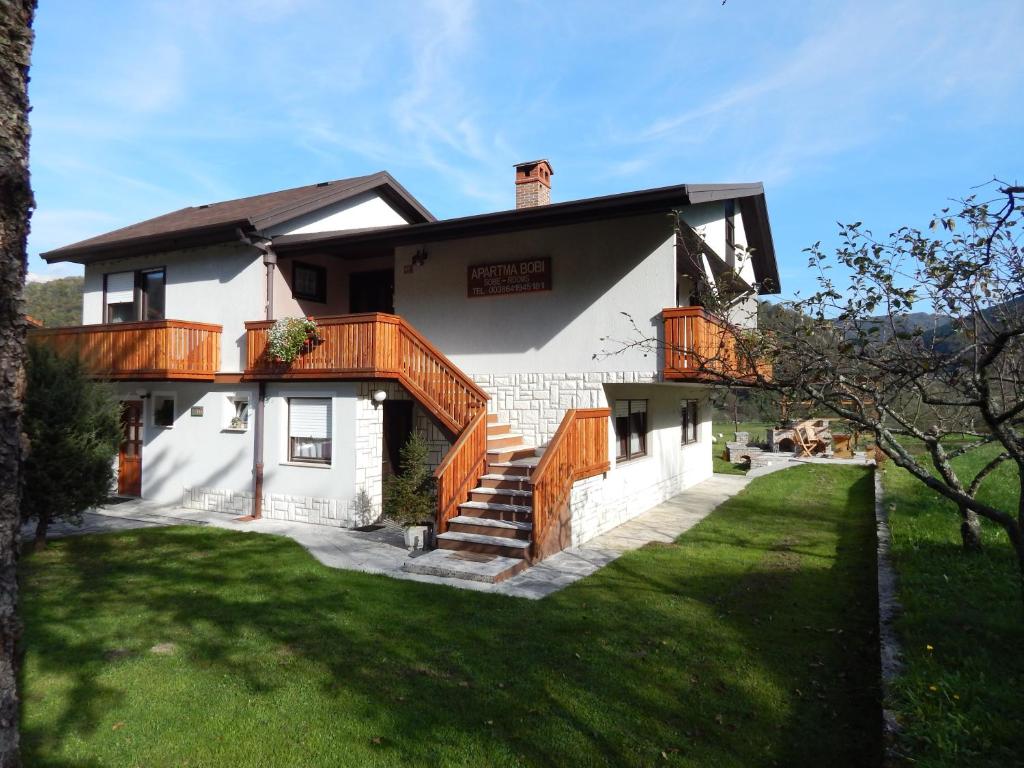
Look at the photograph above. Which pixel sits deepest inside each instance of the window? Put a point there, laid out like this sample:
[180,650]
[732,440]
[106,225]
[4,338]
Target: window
[163,411]
[630,429]
[309,430]
[237,413]
[119,289]
[309,282]
[688,421]
[133,296]
[151,285]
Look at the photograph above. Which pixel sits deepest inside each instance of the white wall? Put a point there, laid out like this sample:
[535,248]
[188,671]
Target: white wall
[366,210]
[197,450]
[336,480]
[221,284]
[599,270]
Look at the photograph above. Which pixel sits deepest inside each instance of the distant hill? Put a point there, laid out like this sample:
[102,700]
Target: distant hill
[57,302]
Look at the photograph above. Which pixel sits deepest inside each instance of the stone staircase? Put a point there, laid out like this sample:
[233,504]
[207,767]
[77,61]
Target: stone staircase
[490,538]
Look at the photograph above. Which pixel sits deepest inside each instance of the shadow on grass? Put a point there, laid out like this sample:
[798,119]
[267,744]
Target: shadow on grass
[748,642]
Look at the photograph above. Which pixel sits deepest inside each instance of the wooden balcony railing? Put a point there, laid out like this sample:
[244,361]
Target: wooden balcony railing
[578,450]
[155,349]
[700,347]
[375,346]
[461,469]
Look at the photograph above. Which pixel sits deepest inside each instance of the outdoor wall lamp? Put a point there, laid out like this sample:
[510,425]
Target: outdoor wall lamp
[379,397]
[142,393]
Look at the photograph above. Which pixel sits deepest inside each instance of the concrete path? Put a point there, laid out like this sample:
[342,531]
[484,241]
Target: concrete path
[383,551]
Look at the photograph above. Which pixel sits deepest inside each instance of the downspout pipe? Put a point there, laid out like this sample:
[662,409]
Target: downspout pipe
[265,246]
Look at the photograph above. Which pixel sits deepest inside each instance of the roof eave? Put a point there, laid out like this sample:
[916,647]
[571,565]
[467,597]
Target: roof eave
[138,246]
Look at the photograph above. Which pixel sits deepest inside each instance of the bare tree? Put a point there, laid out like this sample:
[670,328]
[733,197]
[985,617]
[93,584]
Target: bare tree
[930,392]
[15,207]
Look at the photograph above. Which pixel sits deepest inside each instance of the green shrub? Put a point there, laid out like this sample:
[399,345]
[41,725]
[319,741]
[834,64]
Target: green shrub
[409,496]
[73,427]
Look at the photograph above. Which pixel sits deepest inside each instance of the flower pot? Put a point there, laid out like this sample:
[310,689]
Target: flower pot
[416,536]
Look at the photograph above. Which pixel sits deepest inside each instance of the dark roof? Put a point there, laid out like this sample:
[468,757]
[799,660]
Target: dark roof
[220,222]
[663,199]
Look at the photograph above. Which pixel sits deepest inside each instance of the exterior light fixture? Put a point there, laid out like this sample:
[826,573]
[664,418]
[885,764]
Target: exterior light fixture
[379,397]
[142,393]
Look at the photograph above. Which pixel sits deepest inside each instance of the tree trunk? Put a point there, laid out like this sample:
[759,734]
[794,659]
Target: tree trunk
[42,524]
[15,206]
[970,530]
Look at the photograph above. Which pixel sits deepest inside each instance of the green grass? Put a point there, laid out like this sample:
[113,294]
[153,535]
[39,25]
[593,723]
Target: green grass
[959,701]
[726,429]
[749,642]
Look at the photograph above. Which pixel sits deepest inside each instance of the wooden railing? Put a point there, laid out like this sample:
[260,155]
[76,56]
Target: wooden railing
[700,347]
[578,450]
[155,349]
[371,346]
[460,470]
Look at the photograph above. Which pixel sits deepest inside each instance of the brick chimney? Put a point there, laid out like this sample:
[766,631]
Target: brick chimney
[533,183]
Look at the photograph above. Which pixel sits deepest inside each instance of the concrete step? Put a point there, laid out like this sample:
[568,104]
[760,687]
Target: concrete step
[485,545]
[489,505]
[451,564]
[501,455]
[498,428]
[516,482]
[509,469]
[508,440]
[499,529]
[502,495]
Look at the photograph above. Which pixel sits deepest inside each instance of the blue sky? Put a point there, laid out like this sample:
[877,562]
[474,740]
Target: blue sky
[877,111]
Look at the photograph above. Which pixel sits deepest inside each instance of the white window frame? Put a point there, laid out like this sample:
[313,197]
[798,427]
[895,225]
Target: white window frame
[230,399]
[154,397]
[284,396]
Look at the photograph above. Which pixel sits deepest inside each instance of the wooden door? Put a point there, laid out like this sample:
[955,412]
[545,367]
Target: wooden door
[129,458]
[372,291]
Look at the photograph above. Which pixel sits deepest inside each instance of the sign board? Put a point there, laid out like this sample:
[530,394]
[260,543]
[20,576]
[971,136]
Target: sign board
[508,277]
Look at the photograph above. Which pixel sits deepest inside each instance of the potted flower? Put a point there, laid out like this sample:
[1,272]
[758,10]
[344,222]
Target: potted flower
[409,496]
[290,337]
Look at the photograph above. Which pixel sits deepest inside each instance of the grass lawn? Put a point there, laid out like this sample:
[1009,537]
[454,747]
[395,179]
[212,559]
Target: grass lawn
[749,642]
[726,430]
[959,700]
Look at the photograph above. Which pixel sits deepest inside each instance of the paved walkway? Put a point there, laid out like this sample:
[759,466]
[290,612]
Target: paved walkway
[382,551]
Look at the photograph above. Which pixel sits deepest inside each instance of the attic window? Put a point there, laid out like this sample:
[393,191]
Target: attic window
[205,205]
[324,184]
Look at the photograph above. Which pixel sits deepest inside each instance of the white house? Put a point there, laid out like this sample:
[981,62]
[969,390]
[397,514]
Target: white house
[484,333]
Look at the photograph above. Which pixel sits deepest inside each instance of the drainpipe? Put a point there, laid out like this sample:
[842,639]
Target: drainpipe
[263,244]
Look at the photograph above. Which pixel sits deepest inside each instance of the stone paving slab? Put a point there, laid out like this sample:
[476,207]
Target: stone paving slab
[383,552]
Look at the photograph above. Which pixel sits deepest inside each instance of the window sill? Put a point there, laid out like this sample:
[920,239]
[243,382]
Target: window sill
[633,461]
[305,464]
[234,429]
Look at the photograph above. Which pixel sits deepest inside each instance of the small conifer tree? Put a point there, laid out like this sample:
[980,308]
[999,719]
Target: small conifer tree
[73,426]
[409,496]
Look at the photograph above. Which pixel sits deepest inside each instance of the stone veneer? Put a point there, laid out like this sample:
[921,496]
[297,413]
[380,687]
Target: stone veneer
[603,502]
[279,506]
[535,403]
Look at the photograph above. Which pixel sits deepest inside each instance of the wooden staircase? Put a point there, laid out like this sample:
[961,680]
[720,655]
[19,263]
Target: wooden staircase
[497,519]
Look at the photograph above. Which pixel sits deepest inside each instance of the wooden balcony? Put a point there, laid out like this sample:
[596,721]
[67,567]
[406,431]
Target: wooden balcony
[155,349]
[374,345]
[700,347]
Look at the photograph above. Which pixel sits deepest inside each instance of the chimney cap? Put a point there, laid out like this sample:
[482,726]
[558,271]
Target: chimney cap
[536,162]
